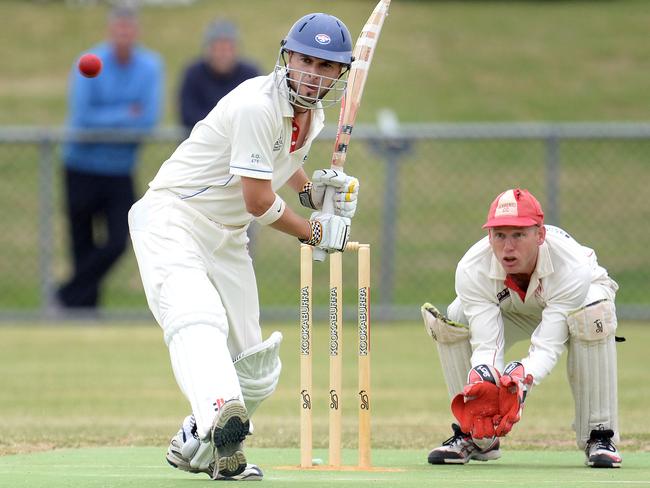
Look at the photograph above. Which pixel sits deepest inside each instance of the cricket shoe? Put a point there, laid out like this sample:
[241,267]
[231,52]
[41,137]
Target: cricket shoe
[186,450]
[459,449]
[185,446]
[601,451]
[251,473]
[230,428]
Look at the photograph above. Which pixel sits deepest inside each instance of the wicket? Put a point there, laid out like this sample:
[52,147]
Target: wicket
[335,353]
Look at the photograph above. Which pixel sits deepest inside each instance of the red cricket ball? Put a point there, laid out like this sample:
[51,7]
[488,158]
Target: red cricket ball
[90,65]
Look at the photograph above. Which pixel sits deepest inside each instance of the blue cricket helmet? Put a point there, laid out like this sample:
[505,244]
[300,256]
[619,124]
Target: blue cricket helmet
[322,36]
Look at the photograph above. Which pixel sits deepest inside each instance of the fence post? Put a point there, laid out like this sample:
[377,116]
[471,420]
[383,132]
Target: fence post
[389,219]
[46,222]
[390,147]
[553,179]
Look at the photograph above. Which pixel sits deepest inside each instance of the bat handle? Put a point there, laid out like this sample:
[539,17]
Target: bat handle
[328,207]
[319,254]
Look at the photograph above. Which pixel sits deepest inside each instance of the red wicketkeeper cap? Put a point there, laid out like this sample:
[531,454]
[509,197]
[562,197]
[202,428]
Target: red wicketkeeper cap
[515,208]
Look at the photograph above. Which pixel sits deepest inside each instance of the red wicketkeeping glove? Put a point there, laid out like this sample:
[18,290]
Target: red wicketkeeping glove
[515,383]
[478,404]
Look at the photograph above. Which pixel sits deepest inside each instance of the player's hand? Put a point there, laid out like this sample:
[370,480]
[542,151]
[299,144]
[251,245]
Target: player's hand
[477,407]
[345,194]
[329,232]
[515,384]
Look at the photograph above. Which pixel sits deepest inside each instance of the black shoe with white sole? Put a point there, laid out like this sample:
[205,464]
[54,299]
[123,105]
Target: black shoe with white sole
[601,451]
[459,449]
[230,428]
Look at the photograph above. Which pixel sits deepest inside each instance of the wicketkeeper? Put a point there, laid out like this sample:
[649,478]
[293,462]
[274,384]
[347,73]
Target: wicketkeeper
[189,237]
[525,280]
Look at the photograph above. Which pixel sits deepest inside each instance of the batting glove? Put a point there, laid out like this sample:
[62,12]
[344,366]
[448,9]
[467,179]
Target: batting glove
[345,194]
[328,232]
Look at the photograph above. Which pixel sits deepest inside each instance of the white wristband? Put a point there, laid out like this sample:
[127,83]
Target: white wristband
[274,212]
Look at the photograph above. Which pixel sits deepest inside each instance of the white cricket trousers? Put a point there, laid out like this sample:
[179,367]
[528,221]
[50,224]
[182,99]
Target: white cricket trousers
[200,286]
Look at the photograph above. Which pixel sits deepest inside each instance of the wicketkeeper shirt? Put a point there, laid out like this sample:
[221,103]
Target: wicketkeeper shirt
[566,277]
[248,133]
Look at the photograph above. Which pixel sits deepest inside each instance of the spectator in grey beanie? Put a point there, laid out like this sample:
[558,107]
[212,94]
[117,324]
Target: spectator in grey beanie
[220,69]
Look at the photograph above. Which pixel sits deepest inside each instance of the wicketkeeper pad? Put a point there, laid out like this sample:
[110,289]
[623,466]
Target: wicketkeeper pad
[454,350]
[258,369]
[591,369]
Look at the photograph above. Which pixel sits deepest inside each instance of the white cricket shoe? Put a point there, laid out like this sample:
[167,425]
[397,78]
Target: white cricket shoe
[230,428]
[601,451]
[186,447]
[251,473]
[459,449]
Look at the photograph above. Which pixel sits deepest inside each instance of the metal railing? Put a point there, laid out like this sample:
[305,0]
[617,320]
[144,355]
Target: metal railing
[587,174]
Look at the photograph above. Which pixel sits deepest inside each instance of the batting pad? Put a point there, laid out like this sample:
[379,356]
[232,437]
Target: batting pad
[204,371]
[454,350]
[258,369]
[591,369]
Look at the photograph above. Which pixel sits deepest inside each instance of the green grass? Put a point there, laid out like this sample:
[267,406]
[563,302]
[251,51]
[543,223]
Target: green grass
[436,60]
[84,386]
[95,406]
[144,467]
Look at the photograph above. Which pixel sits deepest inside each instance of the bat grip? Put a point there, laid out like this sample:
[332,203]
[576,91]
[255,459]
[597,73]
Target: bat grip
[328,208]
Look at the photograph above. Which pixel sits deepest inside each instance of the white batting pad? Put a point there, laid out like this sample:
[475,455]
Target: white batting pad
[204,371]
[452,342]
[592,369]
[258,369]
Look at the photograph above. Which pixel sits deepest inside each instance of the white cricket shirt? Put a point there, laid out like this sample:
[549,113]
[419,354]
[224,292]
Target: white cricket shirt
[248,133]
[565,273]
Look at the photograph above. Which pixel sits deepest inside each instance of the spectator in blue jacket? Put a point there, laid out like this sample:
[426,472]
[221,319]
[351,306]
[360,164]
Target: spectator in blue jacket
[127,95]
[220,69]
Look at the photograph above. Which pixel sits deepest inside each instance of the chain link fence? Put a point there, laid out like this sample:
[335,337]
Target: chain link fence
[424,195]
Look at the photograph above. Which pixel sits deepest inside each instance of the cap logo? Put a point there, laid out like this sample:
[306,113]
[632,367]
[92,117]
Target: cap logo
[507,205]
[323,39]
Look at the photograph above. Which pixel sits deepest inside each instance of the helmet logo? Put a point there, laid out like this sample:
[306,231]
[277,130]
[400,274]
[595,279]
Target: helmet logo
[323,39]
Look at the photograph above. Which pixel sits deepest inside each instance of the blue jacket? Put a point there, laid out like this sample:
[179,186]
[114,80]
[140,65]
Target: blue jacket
[201,89]
[120,97]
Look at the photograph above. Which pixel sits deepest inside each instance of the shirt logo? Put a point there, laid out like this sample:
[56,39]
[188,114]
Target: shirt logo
[278,144]
[255,158]
[503,294]
[322,39]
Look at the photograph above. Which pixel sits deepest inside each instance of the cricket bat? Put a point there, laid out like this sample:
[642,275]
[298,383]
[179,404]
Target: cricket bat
[362,55]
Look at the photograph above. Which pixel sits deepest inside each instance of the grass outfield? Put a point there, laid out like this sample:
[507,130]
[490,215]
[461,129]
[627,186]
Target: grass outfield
[96,405]
[143,468]
[436,60]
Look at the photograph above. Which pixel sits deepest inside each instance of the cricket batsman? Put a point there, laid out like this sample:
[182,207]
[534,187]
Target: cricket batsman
[525,280]
[189,237]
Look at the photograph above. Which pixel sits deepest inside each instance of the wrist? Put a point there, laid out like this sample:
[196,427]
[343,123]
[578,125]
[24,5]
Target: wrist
[315,233]
[305,196]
